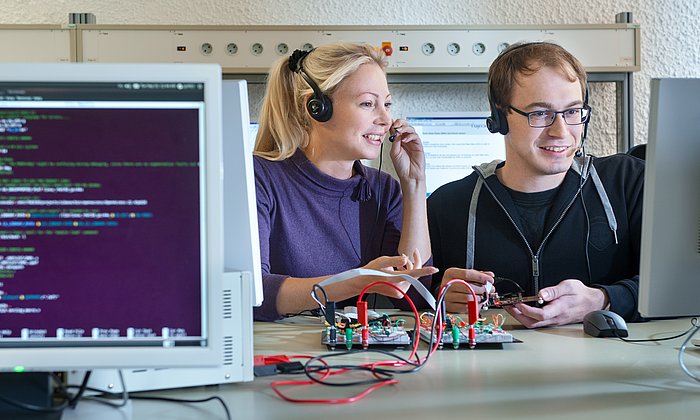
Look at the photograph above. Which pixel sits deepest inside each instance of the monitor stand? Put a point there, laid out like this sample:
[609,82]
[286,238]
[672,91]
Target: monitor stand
[36,388]
[31,388]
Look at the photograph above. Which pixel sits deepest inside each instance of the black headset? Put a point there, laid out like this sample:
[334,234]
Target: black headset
[497,122]
[318,105]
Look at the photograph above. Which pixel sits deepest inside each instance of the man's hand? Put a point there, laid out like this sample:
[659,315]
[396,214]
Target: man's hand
[565,303]
[458,295]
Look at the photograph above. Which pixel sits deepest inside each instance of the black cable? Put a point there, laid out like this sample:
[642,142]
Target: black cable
[307,312]
[37,408]
[73,402]
[380,197]
[106,395]
[186,401]
[383,374]
[693,321]
[588,234]
[314,296]
[497,280]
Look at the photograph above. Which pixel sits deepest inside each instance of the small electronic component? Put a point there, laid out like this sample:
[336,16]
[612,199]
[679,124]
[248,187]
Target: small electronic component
[360,327]
[459,334]
[496,301]
[378,331]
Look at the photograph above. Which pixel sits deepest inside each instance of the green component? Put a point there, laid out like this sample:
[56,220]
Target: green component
[348,338]
[455,337]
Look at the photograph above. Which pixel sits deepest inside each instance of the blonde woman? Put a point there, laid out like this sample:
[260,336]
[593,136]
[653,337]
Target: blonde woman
[320,210]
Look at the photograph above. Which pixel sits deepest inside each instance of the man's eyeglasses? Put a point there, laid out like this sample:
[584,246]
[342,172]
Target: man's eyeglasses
[542,119]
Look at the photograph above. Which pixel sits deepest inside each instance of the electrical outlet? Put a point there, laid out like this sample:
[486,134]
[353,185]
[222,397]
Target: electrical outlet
[256,48]
[478,48]
[428,48]
[231,48]
[453,48]
[206,48]
[307,46]
[282,48]
[502,46]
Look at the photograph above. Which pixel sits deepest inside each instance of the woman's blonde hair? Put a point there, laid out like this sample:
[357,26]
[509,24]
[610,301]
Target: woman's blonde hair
[284,122]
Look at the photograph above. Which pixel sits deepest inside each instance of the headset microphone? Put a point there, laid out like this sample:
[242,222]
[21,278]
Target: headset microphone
[579,152]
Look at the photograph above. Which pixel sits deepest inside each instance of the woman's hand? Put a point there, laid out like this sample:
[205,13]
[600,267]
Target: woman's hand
[399,264]
[407,152]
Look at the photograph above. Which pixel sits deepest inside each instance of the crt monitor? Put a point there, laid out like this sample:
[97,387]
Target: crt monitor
[111,216]
[453,143]
[241,243]
[669,283]
[242,279]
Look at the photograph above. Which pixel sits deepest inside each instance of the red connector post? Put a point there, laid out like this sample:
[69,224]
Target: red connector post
[362,319]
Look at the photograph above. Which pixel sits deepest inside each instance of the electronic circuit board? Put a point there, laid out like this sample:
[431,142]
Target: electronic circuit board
[491,339]
[456,333]
[395,338]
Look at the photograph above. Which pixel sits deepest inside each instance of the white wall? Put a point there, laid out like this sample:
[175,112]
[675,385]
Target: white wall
[670,36]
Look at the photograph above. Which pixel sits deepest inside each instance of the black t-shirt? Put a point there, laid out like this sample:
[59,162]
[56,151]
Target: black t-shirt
[533,209]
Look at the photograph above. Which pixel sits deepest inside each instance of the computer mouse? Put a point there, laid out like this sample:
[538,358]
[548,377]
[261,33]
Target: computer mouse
[603,323]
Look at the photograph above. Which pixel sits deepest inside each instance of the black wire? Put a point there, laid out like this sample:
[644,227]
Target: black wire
[322,306]
[693,321]
[306,312]
[113,396]
[73,402]
[385,373]
[497,280]
[379,198]
[186,401]
[588,234]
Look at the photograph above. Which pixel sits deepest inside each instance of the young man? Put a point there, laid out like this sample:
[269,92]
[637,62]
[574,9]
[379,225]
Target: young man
[560,224]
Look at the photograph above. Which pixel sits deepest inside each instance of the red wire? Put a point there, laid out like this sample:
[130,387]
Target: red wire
[410,302]
[469,287]
[396,363]
[354,398]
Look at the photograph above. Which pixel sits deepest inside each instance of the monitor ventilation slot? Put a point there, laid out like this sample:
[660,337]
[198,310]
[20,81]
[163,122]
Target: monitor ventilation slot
[228,351]
[227,306]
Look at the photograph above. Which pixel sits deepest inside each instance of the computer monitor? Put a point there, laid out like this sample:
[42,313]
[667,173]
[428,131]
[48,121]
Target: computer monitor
[240,206]
[112,218]
[254,126]
[242,278]
[453,143]
[669,282]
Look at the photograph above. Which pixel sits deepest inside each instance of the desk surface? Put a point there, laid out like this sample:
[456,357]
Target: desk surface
[553,372]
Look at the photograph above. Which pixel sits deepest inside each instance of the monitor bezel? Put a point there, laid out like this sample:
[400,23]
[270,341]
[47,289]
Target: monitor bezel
[670,249]
[58,357]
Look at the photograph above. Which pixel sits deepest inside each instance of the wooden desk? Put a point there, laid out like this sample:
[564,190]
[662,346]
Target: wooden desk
[554,373]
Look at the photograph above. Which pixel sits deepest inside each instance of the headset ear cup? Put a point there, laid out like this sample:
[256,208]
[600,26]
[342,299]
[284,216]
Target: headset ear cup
[497,122]
[320,109]
[492,124]
[502,122]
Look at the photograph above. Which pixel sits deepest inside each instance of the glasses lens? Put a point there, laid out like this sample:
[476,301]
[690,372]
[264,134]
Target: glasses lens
[539,119]
[573,116]
[576,116]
